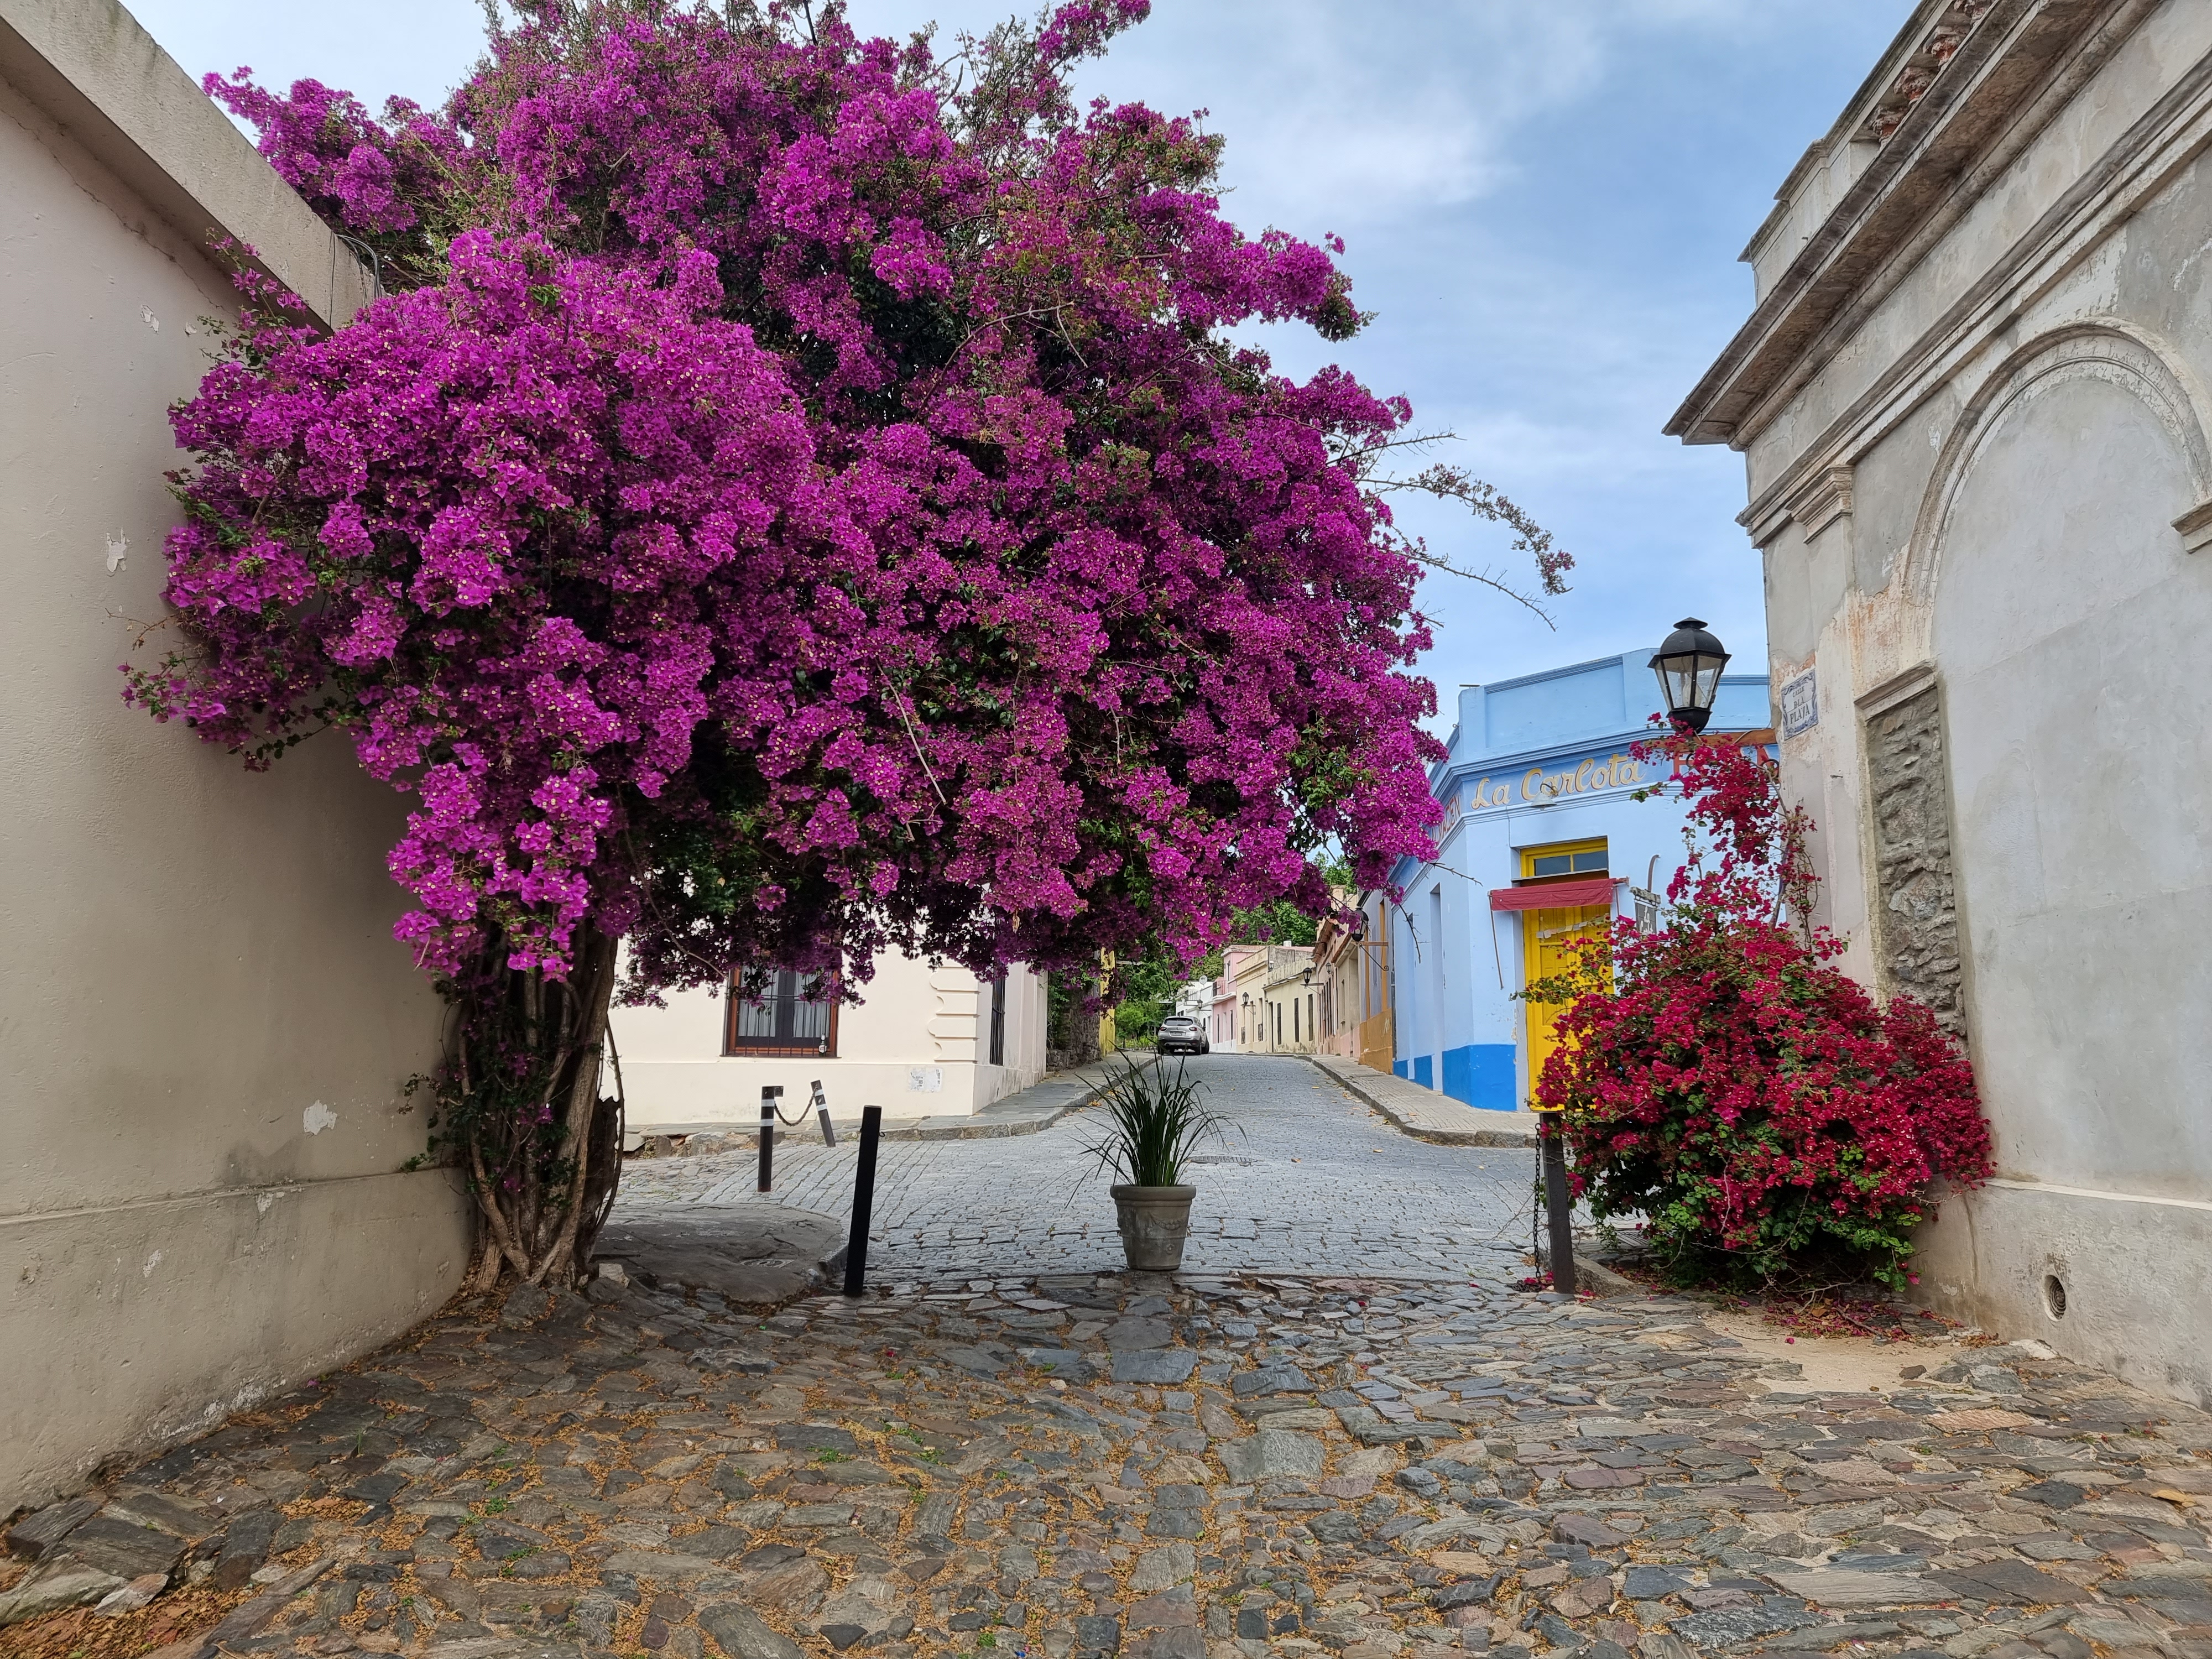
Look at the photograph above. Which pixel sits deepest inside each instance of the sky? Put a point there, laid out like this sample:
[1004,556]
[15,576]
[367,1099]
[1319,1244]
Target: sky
[1542,204]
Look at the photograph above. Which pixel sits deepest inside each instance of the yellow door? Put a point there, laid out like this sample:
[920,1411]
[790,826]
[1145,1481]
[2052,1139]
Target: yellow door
[1551,939]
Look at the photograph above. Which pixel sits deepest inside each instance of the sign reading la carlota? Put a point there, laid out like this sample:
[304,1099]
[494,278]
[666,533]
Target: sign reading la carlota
[1536,785]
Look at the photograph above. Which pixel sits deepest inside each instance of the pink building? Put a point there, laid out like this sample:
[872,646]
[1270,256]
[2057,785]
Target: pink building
[1240,987]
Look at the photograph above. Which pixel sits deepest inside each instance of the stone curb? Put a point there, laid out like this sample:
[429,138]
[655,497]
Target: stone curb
[760,1284]
[727,1137]
[980,1128]
[1596,1276]
[1519,1138]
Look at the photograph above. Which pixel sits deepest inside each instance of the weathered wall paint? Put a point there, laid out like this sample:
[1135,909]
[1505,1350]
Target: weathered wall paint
[208,1024]
[2012,593]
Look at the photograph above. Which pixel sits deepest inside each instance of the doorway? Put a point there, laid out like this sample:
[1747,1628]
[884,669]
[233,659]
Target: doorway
[1551,938]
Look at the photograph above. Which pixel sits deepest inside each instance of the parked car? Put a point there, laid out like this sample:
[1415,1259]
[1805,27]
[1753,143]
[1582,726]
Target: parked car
[1181,1034]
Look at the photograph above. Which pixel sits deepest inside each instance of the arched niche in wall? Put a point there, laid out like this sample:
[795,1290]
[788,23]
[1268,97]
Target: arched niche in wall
[2069,628]
[2105,352]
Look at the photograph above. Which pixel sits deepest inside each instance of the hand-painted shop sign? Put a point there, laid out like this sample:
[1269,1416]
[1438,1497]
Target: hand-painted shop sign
[1538,786]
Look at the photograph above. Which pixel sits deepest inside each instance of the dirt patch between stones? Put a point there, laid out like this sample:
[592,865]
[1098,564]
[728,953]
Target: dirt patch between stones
[1846,1364]
[81,1633]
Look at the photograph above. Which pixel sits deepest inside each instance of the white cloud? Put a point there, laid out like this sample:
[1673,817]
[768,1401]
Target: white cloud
[1344,122]
[1342,116]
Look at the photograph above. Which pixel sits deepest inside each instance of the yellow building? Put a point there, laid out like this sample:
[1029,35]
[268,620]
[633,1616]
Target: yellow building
[1352,973]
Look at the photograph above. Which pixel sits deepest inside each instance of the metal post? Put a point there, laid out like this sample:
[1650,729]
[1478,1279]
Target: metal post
[1559,1200]
[769,1095]
[863,1200]
[822,1114]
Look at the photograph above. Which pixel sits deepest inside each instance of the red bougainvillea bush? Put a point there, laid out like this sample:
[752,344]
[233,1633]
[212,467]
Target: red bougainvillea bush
[1730,1086]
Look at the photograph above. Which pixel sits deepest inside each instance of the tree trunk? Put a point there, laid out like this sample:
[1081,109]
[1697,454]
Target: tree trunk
[520,1104]
[561,1261]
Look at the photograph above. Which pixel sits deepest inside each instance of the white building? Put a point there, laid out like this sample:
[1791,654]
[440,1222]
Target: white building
[923,1042]
[1973,400]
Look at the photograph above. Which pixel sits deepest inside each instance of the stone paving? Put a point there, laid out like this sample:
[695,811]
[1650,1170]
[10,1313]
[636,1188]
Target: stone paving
[1038,1458]
[1309,1181]
[1205,1467]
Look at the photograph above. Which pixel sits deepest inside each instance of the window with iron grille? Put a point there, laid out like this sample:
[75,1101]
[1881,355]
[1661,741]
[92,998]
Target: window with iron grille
[998,1020]
[795,1013]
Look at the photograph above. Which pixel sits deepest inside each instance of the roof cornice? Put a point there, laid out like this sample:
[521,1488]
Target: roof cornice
[1510,760]
[1957,78]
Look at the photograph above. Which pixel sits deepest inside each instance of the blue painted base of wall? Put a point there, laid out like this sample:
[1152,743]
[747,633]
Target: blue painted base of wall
[1423,1072]
[1398,1066]
[1480,1075]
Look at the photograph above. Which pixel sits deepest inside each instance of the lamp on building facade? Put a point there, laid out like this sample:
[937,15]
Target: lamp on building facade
[1689,669]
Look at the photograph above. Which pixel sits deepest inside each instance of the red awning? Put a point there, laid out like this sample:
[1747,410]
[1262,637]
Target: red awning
[1556,895]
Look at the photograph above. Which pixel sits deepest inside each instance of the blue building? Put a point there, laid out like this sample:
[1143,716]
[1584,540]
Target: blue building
[1541,842]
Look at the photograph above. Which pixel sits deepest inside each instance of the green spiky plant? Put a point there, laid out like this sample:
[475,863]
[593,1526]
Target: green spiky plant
[1156,1120]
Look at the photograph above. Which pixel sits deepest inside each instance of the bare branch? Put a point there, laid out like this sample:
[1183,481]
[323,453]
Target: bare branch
[1486,502]
[1418,550]
[1352,457]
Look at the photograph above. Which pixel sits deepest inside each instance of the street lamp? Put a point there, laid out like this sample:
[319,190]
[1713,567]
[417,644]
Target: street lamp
[1689,669]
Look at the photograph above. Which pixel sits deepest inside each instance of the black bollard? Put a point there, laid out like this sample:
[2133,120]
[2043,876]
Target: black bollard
[822,1114]
[1559,1200]
[769,1094]
[863,1200]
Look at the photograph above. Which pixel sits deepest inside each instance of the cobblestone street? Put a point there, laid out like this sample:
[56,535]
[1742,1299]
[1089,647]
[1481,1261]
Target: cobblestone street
[1243,1460]
[1308,1181]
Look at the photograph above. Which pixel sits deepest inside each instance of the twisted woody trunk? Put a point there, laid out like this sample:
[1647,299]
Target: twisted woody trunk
[522,1111]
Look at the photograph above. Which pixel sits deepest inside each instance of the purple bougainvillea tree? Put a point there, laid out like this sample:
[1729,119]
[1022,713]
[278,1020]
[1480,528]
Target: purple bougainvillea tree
[797,496]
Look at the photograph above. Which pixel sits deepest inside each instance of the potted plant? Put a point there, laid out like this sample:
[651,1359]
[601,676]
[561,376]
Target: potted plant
[1155,1121]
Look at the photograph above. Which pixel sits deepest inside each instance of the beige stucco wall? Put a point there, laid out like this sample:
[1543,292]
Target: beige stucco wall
[2016,409]
[1245,973]
[1271,977]
[1292,1007]
[917,1044]
[208,1026]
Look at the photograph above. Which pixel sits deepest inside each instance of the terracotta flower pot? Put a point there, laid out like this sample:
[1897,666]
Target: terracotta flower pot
[1154,1222]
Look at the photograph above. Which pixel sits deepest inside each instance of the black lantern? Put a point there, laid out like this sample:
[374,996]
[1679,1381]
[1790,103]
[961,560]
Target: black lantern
[1689,669]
